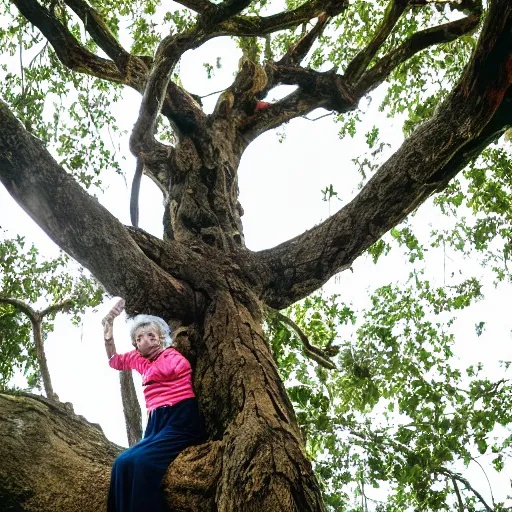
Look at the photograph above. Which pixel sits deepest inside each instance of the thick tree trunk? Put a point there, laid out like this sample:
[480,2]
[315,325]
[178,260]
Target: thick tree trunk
[264,466]
[246,408]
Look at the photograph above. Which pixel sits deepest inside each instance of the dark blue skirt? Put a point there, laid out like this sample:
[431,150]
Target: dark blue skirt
[135,484]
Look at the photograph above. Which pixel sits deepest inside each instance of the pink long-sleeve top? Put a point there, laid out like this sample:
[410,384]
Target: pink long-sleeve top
[166,380]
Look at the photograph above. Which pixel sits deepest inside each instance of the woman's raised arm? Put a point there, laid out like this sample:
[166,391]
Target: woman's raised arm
[108,327]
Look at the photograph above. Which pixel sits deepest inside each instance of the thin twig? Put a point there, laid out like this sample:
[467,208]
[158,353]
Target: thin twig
[212,93]
[317,118]
[486,477]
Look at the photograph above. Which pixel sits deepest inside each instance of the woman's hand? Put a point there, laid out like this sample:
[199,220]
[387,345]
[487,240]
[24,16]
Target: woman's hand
[108,321]
[108,327]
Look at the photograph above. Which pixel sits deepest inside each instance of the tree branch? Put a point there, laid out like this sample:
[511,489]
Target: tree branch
[469,487]
[297,52]
[198,6]
[178,106]
[125,68]
[129,65]
[262,25]
[227,9]
[41,359]
[143,142]
[474,6]
[21,306]
[131,408]
[65,305]
[57,203]
[415,44]
[37,333]
[310,351]
[98,30]
[362,60]
[70,52]
[474,114]
[496,386]
[457,492]
[339,93]
[316,90]
[183,112]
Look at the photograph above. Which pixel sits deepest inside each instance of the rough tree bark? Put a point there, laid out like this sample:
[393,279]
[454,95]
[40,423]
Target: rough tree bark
[53,460]
[201,276]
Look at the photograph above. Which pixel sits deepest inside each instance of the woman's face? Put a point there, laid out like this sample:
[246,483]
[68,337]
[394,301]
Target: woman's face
[147,341]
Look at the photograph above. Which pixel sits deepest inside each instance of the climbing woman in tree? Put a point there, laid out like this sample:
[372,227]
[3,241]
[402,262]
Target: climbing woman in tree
[173,417]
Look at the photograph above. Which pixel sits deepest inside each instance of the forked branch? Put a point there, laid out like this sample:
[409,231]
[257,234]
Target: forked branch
[296,104]
[143,142]
[124,68]
[458,478]
[185,264]
[179,107]
[36,319]
[340,93]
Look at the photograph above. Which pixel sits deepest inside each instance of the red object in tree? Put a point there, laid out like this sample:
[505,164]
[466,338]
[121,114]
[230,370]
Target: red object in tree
[261,105]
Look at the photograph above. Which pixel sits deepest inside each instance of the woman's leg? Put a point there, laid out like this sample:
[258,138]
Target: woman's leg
[122,481]
[137,473]
[120,495]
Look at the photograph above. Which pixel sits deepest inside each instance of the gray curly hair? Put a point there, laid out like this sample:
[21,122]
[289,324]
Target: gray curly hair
[154,321]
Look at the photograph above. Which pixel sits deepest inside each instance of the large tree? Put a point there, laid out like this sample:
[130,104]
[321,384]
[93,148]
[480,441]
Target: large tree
[201,276]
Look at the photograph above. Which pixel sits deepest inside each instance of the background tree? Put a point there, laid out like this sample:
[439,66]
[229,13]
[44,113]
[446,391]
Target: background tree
[27,282]
[201,276]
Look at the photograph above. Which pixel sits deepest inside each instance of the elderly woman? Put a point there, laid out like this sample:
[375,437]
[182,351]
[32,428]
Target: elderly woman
[173,422]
